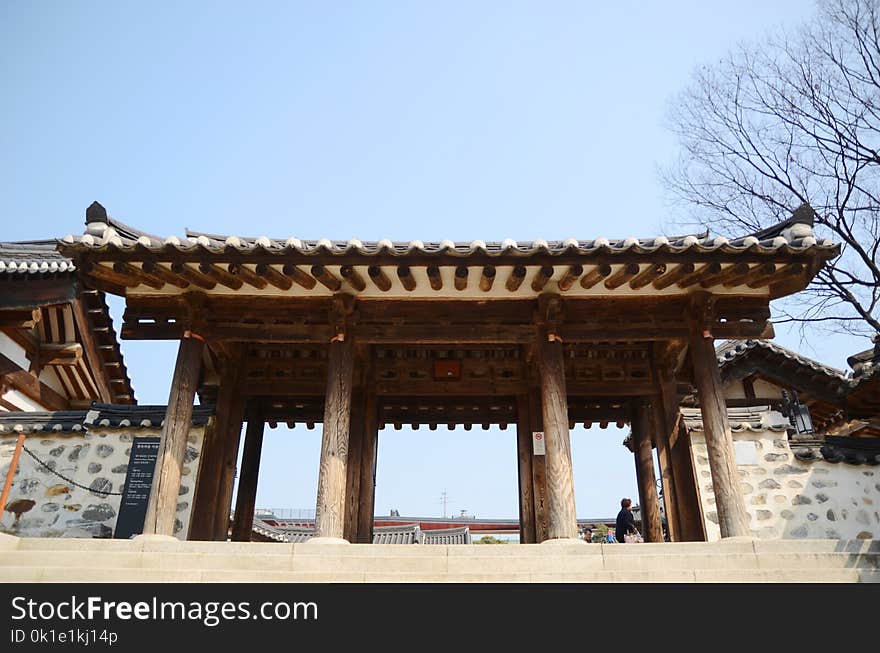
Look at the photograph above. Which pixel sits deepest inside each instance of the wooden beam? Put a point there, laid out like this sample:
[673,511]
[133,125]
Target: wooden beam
[644,457]
[325,278]
[128,270]
[595,275]
[330,507]
[245,501]
[107,275]
[231,408]
[648,275]
[624,274]
[221,276]
[562,517]
[68,353]
[487,278]
[461,277]
[299,277]
[29,293]
[404,273]
[542,276]
[524,459]
[20,318]
[791,270]
[694,277]
[726,274]
[729,502]
[30,386]
[273,277]
[755,272]
[434,277]
[165,489]
[184,271]
[353,278]
[164,274]
[380,279]
[249,277]
[517,276]
[572,274]
[673,276]
[90,349]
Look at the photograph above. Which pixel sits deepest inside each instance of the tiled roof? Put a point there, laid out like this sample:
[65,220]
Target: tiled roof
[112,238]
[732,350]
[38,257]
[754,418]
[98,416]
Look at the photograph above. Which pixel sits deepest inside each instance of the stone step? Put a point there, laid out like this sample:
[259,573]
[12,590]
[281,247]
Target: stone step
[32,574]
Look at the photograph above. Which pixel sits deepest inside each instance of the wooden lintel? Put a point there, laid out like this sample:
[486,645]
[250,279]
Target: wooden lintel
[19,318]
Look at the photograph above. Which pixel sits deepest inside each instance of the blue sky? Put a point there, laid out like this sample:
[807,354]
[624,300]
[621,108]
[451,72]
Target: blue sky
[402,120]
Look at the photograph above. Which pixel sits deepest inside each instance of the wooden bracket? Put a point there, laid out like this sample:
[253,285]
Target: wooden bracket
[342,316]
[701,311]
[549,316]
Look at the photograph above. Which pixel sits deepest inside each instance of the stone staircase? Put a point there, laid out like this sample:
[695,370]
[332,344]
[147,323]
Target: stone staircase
[151,560]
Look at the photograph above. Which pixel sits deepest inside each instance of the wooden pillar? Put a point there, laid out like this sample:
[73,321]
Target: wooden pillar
[242,523]
[539,469]
[369,449]
[211,469]
[232,438]
[353,467]
[524,456]
[729,502]
[562,518]
[665,413]
[690,514]
[162,507]
[644,455]
[330,508]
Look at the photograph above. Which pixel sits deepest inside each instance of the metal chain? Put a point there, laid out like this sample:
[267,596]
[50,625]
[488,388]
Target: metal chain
[62,476]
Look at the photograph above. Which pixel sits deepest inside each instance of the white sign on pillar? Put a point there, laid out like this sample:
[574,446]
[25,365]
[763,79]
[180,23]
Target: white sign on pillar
[538,443]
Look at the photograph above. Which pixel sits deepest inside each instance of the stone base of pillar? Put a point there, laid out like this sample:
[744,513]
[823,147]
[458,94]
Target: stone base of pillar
[153,537]
[563,541]
[326,540]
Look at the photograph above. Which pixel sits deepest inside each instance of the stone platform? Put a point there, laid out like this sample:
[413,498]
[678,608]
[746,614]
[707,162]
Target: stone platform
[775,561]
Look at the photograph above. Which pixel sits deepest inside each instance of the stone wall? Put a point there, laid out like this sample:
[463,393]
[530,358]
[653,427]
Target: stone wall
[790,499]
[41,504]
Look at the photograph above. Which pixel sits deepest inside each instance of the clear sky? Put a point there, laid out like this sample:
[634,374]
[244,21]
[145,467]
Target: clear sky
[401,120]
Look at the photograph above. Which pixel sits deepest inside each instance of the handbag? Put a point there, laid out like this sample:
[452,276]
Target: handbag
[633,538]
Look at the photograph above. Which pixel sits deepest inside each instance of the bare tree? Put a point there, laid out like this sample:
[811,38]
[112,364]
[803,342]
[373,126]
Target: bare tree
[795,119]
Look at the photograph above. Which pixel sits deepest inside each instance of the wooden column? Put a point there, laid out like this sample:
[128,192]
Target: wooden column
[652,526]
[162,507]
[562,518]
[690,514]
[729,502]
[232,438]
[661,435]
[539,469]
[369,449]
[211,468]
[524,456]
[330,508]
[242,523]
[353,467]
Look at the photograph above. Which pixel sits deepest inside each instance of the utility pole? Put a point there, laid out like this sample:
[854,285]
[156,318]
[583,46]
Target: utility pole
[444,500]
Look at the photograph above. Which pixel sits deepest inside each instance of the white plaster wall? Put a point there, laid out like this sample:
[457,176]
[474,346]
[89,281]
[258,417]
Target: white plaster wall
[789,499]
[21,401]
[44,505]
[765,389]
[13,351]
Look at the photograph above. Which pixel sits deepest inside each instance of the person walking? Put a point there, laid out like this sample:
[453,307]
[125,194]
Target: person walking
[626,523]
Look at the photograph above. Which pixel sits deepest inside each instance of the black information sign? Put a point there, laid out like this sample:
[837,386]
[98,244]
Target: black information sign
[136,492]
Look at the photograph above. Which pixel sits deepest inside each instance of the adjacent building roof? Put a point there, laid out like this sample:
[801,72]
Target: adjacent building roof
[753,418]
[98,416]
[33,258]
